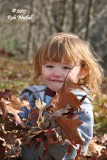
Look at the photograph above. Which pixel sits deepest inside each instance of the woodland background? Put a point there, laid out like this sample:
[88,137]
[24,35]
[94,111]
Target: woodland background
[20,39]
[86,18]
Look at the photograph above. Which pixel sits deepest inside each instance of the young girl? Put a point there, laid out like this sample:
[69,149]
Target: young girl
[64,55]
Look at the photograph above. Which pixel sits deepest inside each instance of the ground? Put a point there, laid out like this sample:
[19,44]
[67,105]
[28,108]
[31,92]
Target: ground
[16,74]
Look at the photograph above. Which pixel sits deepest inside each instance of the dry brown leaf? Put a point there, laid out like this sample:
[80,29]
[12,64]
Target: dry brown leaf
[41,106]
[94,149]
[69,127]
[65,97]
[16,102]
[13,107]
[71,85]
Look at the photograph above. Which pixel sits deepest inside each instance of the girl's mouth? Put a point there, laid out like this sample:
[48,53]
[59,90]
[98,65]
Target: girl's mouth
[57,80]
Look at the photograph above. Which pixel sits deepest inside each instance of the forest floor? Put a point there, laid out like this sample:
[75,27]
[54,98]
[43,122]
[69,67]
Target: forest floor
[16,74]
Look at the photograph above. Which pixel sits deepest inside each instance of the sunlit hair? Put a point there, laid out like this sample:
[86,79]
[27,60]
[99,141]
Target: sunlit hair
[72,49]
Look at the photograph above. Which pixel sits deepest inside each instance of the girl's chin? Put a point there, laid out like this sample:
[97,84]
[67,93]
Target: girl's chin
[54,86]
[55,89]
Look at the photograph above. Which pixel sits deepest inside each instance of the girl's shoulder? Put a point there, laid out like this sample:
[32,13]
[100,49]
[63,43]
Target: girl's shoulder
[35,88]
[34,92]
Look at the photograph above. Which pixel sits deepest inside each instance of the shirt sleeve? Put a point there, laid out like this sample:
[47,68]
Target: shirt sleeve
[86,129]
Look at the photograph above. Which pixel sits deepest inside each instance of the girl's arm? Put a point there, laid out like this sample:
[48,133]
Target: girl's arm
[86,131]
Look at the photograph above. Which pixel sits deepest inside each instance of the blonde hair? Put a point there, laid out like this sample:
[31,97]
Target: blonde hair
[72,49]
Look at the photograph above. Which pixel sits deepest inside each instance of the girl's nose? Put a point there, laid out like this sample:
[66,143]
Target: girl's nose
[57,73]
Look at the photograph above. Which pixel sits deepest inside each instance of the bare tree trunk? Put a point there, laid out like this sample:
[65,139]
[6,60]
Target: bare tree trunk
[62,13]
[29,49]
[73,16]
[89,17]
[47,8]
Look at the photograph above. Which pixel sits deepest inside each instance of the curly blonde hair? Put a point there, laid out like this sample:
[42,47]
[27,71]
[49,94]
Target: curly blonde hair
[72,49]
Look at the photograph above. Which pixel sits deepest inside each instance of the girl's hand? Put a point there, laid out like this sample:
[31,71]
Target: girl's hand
[77,73]
[74,74]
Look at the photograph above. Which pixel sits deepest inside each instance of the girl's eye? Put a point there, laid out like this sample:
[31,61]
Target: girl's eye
[66,67]
[49,66]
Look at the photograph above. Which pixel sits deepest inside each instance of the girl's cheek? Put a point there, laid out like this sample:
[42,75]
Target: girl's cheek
[67,73]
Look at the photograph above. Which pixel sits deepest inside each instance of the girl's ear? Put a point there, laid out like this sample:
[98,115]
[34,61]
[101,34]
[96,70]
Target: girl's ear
[84,73]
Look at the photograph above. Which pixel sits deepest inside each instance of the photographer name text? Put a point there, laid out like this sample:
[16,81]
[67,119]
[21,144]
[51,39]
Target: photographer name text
[19,14]
[20,17]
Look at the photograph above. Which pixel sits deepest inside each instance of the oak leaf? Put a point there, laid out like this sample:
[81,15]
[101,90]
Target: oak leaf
[41,106]
[94,149]
[65,97]
[33,116]
[13,107]
[69,127]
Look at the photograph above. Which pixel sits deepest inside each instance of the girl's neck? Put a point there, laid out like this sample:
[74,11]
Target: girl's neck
[49,92]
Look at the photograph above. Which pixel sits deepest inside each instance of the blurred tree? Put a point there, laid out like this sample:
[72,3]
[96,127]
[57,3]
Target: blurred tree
[89,17]
[29,46]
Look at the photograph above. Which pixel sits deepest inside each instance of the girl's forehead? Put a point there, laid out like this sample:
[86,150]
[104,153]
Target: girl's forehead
[58,56]
[60,62]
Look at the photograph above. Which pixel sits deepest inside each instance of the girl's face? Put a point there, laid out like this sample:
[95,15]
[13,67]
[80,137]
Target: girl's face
[55,73]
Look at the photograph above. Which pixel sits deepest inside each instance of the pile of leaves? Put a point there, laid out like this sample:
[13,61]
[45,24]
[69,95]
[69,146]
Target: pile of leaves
[48,124]
[97,149]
